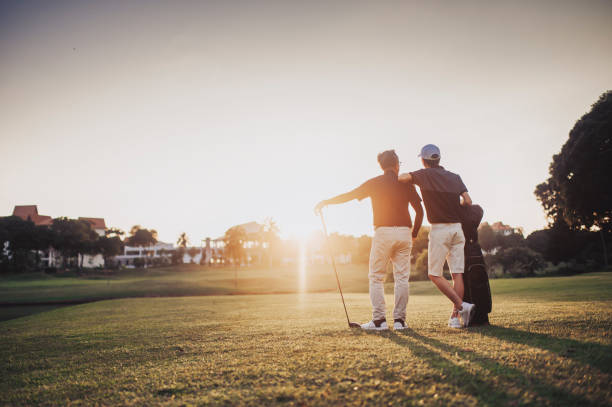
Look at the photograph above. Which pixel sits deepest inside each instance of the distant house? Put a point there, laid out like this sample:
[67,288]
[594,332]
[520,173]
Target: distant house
[50,256]
[253,245]
[30,212]
[132,254]
[97,224]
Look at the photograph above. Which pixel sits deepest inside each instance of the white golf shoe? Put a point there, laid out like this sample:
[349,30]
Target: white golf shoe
[454,322]
[466,313]
[399,324]
[379,325]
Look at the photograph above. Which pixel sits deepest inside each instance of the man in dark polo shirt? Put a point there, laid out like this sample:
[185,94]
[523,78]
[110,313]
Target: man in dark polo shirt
[393,236]
[443,194]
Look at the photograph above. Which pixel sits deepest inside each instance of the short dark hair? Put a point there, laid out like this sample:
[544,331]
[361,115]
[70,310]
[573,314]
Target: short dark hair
[388,159]
[432,163]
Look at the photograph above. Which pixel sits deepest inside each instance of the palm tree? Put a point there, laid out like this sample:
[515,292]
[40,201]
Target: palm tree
[183,240]
[182,243]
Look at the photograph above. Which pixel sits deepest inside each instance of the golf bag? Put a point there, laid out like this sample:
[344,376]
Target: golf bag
[475,278]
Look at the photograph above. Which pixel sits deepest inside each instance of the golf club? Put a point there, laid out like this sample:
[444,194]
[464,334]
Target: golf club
[331,255]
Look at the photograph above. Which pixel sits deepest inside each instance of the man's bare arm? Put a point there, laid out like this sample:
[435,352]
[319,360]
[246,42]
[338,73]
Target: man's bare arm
[418,218]
[466,200]
[339,199]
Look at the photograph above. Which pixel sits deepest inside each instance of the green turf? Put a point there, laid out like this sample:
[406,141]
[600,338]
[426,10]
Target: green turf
[196,280]
[179,281]
[550,344]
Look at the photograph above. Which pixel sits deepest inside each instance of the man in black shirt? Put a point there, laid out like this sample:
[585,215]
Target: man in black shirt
[443,192]
[393,236]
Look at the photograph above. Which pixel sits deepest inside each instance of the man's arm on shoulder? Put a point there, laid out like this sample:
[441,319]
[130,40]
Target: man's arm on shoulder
[414,177]
[406,177]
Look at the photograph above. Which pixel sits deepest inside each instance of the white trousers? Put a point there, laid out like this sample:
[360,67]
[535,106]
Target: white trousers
[390,244]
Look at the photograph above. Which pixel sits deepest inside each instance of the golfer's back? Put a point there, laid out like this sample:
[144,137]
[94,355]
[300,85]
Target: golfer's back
[390,199]
[441,191]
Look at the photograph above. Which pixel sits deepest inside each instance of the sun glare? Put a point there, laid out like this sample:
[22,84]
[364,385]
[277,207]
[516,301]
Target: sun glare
[302,269]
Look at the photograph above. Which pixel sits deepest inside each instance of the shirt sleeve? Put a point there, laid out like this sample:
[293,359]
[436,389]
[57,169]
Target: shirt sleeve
[418,176]
[362,191]
[460,185]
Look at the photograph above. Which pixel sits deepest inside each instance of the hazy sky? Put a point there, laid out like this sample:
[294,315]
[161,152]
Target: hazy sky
[195,116]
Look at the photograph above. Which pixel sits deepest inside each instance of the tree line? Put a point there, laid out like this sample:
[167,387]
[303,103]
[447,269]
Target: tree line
[23,244]
[577,199]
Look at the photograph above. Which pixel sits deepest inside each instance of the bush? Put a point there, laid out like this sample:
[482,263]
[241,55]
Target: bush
[419,271]
[518,261]
[564,269]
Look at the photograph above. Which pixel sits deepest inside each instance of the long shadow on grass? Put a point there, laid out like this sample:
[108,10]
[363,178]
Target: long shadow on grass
[588,353]
[483,388]
[485,392]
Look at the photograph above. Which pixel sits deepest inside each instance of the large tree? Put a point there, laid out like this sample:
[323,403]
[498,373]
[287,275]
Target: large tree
[234,240]
[110,245]
[234,252]
[20,243]
[74,238]
[578,190]
[141,237]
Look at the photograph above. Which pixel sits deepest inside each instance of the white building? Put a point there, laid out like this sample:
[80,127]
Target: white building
[159,250]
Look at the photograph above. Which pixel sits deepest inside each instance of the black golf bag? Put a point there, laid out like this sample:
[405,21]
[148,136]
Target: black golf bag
[475,278]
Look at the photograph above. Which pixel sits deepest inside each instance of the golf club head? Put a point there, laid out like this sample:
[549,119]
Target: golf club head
[354,325]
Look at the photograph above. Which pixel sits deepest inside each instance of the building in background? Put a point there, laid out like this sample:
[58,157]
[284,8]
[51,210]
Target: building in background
[52,257]
[254,246]
[30,212]
[134,256]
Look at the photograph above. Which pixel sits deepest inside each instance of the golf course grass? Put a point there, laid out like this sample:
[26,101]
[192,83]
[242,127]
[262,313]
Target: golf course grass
[177,281]
[550,343]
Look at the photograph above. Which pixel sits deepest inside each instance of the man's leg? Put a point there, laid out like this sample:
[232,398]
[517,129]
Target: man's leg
[438,250]
[459,289]
[401,272]
[458,284]
[379,258]
[456,262]
[447,290]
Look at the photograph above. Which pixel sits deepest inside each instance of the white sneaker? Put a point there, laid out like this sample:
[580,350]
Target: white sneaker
[380,325]
[453,322]
[399,324]
[466,313]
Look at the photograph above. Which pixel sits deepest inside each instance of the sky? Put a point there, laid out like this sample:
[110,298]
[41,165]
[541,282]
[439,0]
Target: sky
[197,116]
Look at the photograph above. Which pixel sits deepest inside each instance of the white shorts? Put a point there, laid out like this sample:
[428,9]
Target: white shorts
[446,242]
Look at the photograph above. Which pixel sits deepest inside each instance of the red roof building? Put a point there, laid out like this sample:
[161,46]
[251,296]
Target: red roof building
[30,212]
[96,223]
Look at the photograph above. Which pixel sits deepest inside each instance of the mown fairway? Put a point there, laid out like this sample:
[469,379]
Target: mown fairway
[178,281]
[550,344]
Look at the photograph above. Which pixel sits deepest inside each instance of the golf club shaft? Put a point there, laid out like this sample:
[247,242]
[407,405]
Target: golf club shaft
[331,255]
